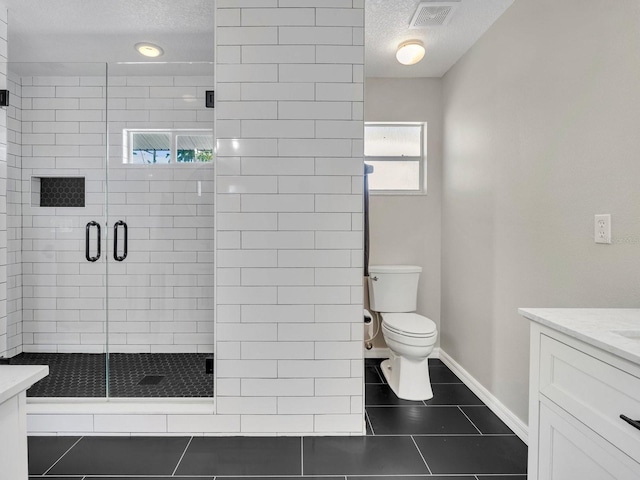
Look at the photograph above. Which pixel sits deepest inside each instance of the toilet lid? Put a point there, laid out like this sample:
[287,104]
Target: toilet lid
[410,324]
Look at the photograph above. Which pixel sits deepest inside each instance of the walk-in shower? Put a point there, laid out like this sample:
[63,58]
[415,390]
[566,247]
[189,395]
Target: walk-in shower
[110,224]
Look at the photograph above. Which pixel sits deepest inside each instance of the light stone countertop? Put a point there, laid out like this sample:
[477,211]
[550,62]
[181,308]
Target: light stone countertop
[16,378]
[595,326]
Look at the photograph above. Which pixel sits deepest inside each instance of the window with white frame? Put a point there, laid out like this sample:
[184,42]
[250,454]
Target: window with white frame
[396,152]
[154,146]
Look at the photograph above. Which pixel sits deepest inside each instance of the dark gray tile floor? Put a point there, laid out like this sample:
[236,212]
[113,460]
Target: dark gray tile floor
[453,437]
[242,456]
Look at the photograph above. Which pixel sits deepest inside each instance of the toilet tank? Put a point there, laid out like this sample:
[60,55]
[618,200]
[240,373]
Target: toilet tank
[393,288]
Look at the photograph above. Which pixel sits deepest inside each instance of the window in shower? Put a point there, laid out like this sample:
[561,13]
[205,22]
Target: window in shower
[194,148]
[152,147]
[396,151]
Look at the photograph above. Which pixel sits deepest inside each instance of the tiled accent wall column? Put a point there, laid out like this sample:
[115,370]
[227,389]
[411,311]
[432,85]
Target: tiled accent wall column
[3,186]
[290,128]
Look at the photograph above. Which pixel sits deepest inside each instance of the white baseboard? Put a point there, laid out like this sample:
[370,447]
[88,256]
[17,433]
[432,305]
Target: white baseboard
[496,406]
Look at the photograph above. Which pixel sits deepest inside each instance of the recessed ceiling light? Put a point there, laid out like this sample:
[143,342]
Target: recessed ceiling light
[411,52]
[149,49]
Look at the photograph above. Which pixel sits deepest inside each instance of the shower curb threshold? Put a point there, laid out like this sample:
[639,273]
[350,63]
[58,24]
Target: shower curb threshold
[79,406]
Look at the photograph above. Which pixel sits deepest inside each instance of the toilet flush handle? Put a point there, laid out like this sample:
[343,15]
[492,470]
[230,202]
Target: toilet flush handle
[375,279]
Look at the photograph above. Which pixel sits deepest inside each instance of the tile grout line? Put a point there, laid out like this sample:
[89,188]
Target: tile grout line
[445,435]
[417,404]
[474,425]
[366,414]
[292,477]
[421,456]
[408,475]
[298,477]
[379,373]
[181,457]
[56,462]
[301,455]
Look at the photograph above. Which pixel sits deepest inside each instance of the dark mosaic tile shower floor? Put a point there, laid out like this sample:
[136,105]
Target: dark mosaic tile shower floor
[131,374]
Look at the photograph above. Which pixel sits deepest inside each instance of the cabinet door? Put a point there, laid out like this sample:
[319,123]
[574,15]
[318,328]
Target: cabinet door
[592,390]
[568,450]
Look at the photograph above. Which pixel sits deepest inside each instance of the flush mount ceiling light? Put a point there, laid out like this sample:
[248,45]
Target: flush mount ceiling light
[411,52]
[149,49]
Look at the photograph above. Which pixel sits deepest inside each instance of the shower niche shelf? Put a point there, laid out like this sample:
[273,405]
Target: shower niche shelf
[58,192]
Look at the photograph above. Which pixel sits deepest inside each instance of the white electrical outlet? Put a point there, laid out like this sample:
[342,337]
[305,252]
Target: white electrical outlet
[603,229]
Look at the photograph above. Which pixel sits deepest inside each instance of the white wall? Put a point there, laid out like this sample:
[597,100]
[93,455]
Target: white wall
[290,126]
[541,133]
[405,229]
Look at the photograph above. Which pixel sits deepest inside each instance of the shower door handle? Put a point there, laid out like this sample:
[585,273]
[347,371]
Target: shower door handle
[87,242]
[117,257]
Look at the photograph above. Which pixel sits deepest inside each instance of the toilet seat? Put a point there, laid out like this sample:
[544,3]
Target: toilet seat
[409,325]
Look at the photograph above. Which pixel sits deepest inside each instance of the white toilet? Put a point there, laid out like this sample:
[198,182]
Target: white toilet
[393,291]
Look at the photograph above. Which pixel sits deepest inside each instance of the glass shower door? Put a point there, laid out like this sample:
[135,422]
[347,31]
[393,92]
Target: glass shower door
[161,230]
[56,214]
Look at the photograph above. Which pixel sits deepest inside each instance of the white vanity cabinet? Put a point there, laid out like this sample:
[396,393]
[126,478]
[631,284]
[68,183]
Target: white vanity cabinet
[14,381]
[579,386]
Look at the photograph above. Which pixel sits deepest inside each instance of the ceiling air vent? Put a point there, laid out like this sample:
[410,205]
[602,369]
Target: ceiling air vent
[433,14]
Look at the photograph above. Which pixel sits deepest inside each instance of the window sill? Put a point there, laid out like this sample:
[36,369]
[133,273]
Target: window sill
[397,193]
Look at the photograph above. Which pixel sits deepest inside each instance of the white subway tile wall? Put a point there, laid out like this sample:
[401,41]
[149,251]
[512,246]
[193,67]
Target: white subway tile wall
[290,215]
[160,296]
[289,226]
[14,218]
[7,331]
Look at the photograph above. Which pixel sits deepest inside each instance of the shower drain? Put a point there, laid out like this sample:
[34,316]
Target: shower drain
[151,380]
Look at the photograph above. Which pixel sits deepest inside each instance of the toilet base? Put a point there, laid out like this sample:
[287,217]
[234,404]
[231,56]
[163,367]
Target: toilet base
[409,379]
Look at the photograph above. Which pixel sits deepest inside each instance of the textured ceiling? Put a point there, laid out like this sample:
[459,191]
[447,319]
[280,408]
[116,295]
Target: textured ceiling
[387,25]
[107,30]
